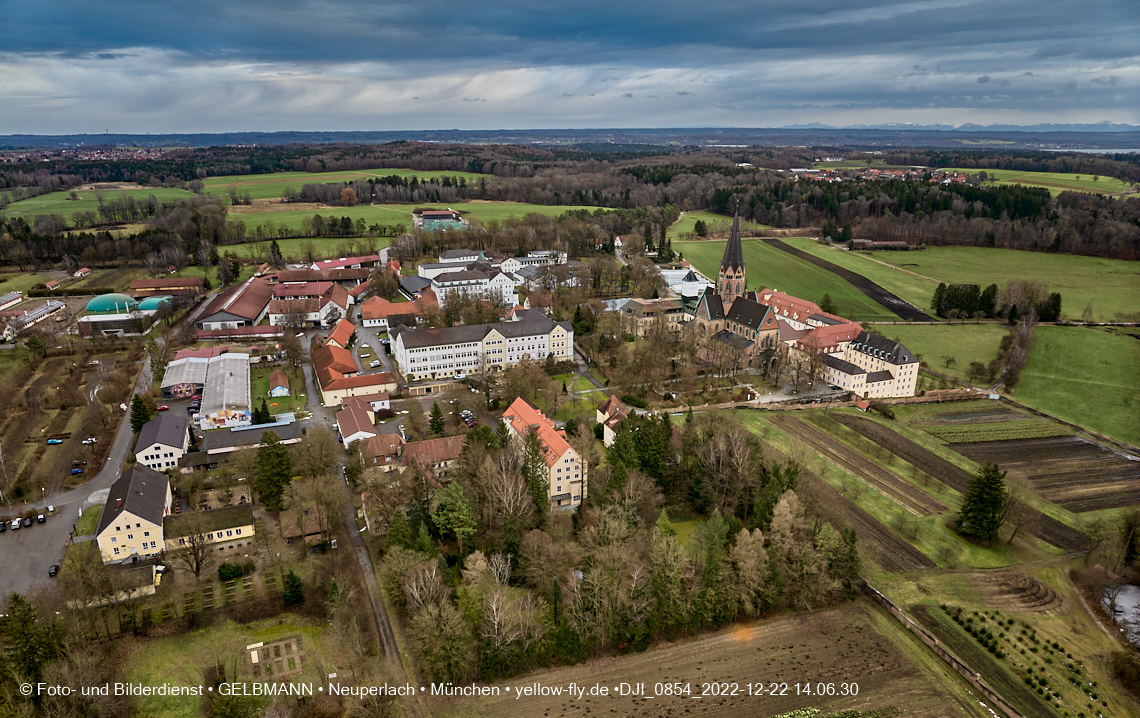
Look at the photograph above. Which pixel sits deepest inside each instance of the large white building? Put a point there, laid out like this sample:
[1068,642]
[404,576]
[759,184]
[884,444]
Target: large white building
[225,398]
[566,471]
[424,354]
[493,286]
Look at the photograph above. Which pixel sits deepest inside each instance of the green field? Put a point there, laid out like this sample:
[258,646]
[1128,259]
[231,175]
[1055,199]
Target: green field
[59,202]
[995,431]
[1112,286]
[272,185]
[392,214]
[1055,182]
[716,223]
[965,342]
[1087,377]
[259,388]
[769,267]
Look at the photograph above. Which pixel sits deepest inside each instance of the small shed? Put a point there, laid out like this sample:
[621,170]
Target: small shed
[862,405]
[278,383]
[52,284]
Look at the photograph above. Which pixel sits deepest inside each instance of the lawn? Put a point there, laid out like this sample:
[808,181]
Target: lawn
[1055,182]
[88,521]
[21,281]
[769,267]
[1112,286]
[266,186]
[259,387]
[59,202]
[324,247]
[1087,377]
[716,223]
[965,342]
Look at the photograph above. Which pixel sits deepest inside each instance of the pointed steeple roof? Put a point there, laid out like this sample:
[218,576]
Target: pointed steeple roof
[733,252]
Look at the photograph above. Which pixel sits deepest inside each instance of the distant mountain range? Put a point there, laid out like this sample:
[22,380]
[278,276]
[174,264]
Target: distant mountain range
[971,127]
[1092,137]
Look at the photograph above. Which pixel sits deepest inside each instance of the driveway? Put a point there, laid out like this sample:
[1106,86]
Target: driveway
[27,553]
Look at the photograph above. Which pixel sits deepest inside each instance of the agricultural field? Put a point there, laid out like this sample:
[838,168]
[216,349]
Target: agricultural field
[1001,431]
[855,642]
[1070,471]
[772,268]
[61,203]
[965,343]
[1034,619]
[1086,376]
[717,224]
[1055,182]
[271,186]
[1111,286]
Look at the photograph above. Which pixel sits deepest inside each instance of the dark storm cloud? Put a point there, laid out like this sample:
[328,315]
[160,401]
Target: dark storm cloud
[531,63]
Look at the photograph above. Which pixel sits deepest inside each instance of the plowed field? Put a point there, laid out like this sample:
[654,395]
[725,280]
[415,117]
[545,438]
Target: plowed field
[1046,528]
[1073,472]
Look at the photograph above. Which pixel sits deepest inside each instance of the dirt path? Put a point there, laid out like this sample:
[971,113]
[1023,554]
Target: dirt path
[1045,527]
[891,302]
[909,497]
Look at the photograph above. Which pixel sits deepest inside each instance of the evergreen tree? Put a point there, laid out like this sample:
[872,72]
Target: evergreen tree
[453,514]
[848,232]
[28,643]
[293,592]
[274,470]
[399,533]
[436,423]
[537,477]
[141,413]
[261,414]
[938,302]
[984,504]
[1012,314]
[700,228]
[827,304]
[424,544]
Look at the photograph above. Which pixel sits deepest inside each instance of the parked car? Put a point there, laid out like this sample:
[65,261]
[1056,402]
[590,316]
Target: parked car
[164,407]
[300,334]
[364,346]
[90,440]
[3,526]
[76,471]
[27,521]
[53,442]
[365,355]
[460,376]
[374,363]
[41,519]
[16,524]
[53,570]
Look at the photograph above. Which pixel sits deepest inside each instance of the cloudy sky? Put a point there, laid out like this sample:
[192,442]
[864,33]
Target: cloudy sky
[230,65]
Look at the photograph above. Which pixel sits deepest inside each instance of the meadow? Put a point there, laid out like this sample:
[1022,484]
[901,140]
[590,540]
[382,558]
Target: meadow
[769,267]
[965,342]
[1111,286]
[60,202]
[266,186]
[686,225]
[1055,182]
[1086,376]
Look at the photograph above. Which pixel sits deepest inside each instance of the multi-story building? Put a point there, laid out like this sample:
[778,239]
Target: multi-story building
[130,525]
[314,304]
[162,441]
[566,470]
[639,316]
[232,526]
[491,285]
[442,353]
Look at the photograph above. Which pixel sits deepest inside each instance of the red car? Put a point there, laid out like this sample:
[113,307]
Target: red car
[164,407]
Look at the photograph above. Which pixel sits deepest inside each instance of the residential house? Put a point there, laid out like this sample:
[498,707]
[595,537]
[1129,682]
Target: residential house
[566,471]
[162,441]
[640,316]
[434,456]
[355,421]
[130,525]
[82,272]
[609,414]
[383,451]
[341,334]
[313,304]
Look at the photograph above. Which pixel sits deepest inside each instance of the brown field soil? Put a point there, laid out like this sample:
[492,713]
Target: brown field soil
[852,643]
[1015,590]
[892,303]
[1070,471]
[1021,696]
[1045,527]
[876,541]
[904,494]
[274,204]
[990,416]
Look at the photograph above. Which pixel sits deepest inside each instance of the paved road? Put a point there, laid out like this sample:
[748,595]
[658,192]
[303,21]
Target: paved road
[25,555]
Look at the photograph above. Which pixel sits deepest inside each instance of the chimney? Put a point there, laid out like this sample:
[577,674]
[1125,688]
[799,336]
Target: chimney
[118,503]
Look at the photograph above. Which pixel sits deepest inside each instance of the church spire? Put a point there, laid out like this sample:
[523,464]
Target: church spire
[730,280]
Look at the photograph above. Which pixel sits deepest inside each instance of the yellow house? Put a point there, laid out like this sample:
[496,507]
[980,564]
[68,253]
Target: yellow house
[231,526]
[130,526]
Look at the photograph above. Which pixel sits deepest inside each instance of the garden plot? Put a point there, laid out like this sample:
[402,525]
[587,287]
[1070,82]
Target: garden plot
[1070,471]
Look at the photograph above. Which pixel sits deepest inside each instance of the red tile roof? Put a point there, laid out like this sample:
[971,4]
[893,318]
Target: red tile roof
[380,308]
[244,300]
[342,332]
[333,357]
[332,380]
[433,451]
[278,378]
[383,445]
[524,419]
[354,419]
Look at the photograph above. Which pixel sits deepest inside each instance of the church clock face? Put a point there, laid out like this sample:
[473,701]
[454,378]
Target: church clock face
[182,390]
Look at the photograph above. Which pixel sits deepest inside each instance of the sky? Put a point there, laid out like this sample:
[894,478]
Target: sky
[176,66]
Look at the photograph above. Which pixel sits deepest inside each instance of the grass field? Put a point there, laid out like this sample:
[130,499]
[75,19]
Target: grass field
[1112,286]
[272,185]
[1055,182]
[1001,431]
[1098,391]
[284,215]
[769,267]
[58,202]
[716,223]
[965,342]
[88,521]
[259,387]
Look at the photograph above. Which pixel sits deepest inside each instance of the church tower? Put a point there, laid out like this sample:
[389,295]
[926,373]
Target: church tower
[730,279]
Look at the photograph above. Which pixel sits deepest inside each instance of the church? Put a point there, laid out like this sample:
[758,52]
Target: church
[746,327]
